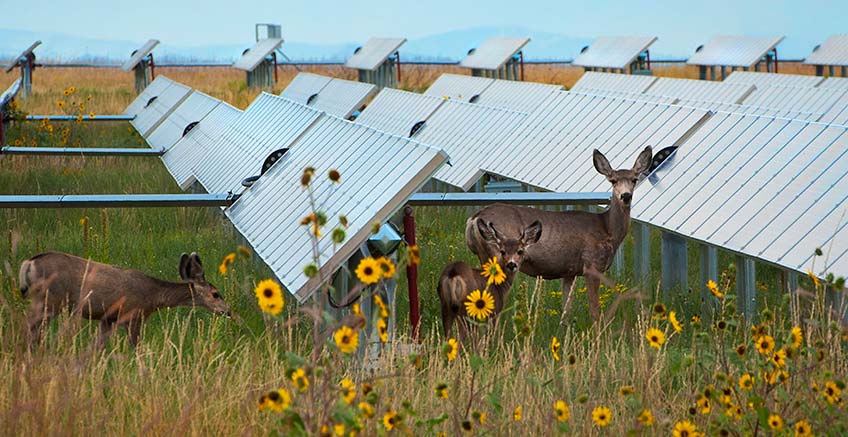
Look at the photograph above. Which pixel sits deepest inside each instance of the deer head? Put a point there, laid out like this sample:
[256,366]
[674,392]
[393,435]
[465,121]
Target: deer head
[509,251]
[203,293]
[623,180]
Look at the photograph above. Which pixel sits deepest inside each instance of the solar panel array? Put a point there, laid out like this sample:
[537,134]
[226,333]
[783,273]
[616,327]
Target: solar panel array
[493,53]
[840,83]
[613,82]
[153,90]
[497,93]
[806,100]
[735,51]
[396,112]
[772,79]
[159,107]
[256,54]
[834,51]
[140,54]
[720,92]
[304,86]
[335,96]
[374,53]
[614,51]
[171,129]
[458,87]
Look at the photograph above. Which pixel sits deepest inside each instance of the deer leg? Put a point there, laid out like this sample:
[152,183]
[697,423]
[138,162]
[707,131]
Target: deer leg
[447,320]
[107,326]
[593,282]
[41,311]
[134,331]
[567,297]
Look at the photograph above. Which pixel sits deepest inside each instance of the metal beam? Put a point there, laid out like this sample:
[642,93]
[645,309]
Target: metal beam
[84,117]
[116,200]
[674,265]
[520,198]
[746,290]
[90,151]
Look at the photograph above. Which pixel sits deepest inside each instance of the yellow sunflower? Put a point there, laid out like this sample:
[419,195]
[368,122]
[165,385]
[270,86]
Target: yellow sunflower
[646,417]
[300,379]
[276,400]
[626,390]
[442,390]
[387,268]
[555,345]
[703,403]
[779,358]
[832,392]
[91,114]
[746,381]
[383,330]
[368,271]
[602,416]
[270,296]
[561,411]
[684,428]
[492,271]
[765,344]
[79,118]
[366,409]
[797,337]
[672,317]
[516,414]
[803,429]
[60,104]
[655,337]
[810,273]
[225,264]
[346,339]
[451,349]
[339,429]
[713,287]
[391,420]
[480,304]
[348,390]
[775,422]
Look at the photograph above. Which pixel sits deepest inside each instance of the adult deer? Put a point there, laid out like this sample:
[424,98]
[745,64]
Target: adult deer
[458,279]
[116,296]
[576,243]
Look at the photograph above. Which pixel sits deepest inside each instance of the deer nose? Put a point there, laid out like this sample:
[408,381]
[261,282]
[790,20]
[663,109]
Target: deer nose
[626,197]
[512,266]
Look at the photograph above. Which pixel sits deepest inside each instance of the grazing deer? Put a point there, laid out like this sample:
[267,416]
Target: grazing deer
[116,296]
[458,279]
[576,243]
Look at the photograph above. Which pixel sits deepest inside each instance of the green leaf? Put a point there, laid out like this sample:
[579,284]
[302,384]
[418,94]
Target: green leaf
[476,362]
[494,398]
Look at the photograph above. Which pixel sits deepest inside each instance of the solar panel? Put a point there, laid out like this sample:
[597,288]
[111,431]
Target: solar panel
[139,54]
[773,79]
[835,83]
[304,86]
[270,123]
[343,97]
[171,129]
[614,51]
[374,53]
[23,54]
[268,214]
[735,51]
[192,149]
[256,54]
[459,87]
[494,53]
[752,110]
[833,51]
[614,82]
[810,100]
[690,89]
[158,109]
[552,148]
[468,133]
[626,95]
[516,96]
[153,90]
[769,188]
[838,113]
[396,112]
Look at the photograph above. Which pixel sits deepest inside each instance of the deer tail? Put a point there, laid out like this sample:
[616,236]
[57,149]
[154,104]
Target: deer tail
[23,278]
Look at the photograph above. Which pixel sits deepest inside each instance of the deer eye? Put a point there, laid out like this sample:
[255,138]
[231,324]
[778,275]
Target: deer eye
[520,252]
[613,181]
[216,295]
[503,253]
[635,180]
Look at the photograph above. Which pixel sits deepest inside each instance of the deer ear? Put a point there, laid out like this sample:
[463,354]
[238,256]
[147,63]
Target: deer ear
[487,231]
[602,165]
[184,266]
[195,267]
[532,233]
[643,161]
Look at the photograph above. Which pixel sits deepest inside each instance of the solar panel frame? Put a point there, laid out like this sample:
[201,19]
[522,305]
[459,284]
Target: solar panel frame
[268,214]
[149,118]
[256,54]
[24,53]
[459,87]
[691,89]
[374,53]
[493,53]
[152,90]
[613,82]
[734,50]
[752,110]
[343,97]
[304,86]
[396,111]
[833,51]
[762,79]
[515,95]
[626,95]
[170,130]
[140,54]
[613,51]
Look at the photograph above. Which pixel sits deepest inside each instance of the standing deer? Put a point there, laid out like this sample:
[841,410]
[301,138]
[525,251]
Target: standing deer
[458,279]
[116,296]
[576,243]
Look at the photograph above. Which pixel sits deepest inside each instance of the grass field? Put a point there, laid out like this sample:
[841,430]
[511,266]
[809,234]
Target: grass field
[199,374]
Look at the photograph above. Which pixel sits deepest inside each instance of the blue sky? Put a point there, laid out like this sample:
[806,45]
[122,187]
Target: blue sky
[680,25]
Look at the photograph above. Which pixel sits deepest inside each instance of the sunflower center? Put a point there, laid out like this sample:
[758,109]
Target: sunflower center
[480,304]
[267,292]
[345,339]
[274,396]
[654,339]
[368,271]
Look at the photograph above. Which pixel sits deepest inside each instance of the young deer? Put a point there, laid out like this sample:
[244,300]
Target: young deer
[458,279]
[576,243]
[116,296]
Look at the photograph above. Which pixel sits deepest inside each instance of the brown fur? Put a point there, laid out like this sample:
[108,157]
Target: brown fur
[116,296]
[575,242]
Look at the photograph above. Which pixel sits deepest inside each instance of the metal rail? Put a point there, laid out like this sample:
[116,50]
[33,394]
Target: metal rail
[87,151]
[84,117]
[117,200]
[518,198]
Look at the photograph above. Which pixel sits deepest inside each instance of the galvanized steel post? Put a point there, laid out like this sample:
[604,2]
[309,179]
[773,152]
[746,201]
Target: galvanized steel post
[674,264]
[746,291]
[709,272]
[642,255]
[411,270]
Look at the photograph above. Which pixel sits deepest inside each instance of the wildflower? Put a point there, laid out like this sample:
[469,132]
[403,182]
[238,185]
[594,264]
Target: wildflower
[442,390]
[695,320]
[704,404]
[555,345]
[60,104]
[343,220]
[310,270]
[734,411]
[243,251]
[561,411]
[225,264]
[339,429]
[270,296]
[72,89]
[306,177]
[809,273]
[626,390]
[79,118]
[655,337]
[684,429]
[338,235]
[346,339]
[451,348]
[82,106]
[368,271]
[741,350]
[797,337]
[779,358]
[713,287]
[672,317]
[348,390]
[91,114]
[481,417]
[383,330]
[602,416]
[646,418]
[746,381]
[492,271]
[775,422]
[384,310]
[831,392]
[516,414]
[334,176]
[480,304]
[803,429]
[467,427]
[66,92]
[659,310]
[386,267]
[300,379]
[366,409]
[391,420]
[276,400]
[765,344]
[414,255]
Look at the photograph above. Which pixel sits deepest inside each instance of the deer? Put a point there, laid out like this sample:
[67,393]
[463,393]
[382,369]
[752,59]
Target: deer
[55,281]
[458,279]
[576,243]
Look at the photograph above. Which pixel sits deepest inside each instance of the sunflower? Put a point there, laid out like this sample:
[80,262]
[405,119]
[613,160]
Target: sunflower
[451,348]
[626,390]
[391,420]
[765,344]
[832,392]
[516,414]
[300,379]
[713,287]
[741,350]
[734,411]
[810,273]
[602,416]
[387,268]
[79,118]
[72,89]
[492,271]
[270,296]
[334,176]
[779,358]
[480,417]
[366,409]
[383,330]
[672,317]
[348,390]
[467,427]
[684,428]
[225,264]
[775,422]
[339,429]
[346,339]
[561,411]
[555,345]
[384,310]
[442,390]
[60,104]
[703,403]
[480,304]
[803,429]
[646,417]
[414,255]
[276,400]
[797,337]
[655,337]
[746,381]
[368,271]
[91,114]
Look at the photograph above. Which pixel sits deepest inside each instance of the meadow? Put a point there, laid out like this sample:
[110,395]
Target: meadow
[655,367]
